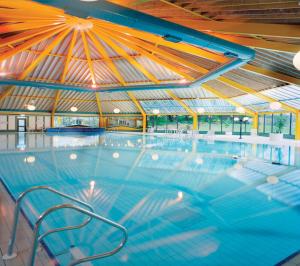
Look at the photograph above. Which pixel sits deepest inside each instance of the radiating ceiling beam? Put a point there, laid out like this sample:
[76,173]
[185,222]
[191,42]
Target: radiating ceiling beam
[30,43]
[101,118]
[88,57]
[54,107]
[63,76]
[182,47]
[226,98]
[186,107]
[258,94]
[22,26]
[6,92]
[271,74]
[102,51]
[149,55]
[45,52]
[163,53]
[25,35]
[123,53]
[140,108]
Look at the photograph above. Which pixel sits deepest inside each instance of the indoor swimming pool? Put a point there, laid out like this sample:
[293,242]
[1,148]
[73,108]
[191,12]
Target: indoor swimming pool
[183,201]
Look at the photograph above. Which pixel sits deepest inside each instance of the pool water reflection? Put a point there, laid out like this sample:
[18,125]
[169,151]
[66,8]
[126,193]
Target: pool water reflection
[184,202]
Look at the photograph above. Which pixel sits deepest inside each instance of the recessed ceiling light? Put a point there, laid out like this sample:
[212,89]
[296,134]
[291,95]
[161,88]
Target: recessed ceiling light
[296,60]
[74,109]
[200,110]
[240,110]
[31,107]
[275,106]
[155,111]
[117,110]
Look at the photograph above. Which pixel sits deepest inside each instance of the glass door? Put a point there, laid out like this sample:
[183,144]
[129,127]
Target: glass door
[21,124]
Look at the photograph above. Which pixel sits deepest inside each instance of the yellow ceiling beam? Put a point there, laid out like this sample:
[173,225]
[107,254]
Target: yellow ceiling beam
[108,60]
[186,48]
[156,50]
[12,27]
[98,100]
[30,43]
[54,107]
[69,56]
[141,109]
[123,53]
[25,35]
[251,91]
[45,52]
[226,98]
[259,43]
[272,74]
[102,122]
[181,102]
[33,6]
[243,28]
[57,97]
[6,92]
[186,107]
[149,55]
[88,57]
[136,102]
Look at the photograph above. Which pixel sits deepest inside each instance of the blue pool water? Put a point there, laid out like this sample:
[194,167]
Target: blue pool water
[183,201]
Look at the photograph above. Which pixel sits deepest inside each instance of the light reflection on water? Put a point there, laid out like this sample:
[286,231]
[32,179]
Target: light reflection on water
[184,202]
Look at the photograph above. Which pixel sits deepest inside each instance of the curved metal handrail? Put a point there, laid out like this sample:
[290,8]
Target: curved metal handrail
[12,240]
[37,238]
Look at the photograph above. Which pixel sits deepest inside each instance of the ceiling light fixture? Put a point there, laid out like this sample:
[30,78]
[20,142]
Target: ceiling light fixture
[31,107]
[296,60]
[74,109]
[275,106]
[200,110]
[240,110]
[155,111]
[117,110]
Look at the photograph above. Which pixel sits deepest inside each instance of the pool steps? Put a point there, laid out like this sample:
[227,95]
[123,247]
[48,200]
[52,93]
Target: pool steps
[38,238]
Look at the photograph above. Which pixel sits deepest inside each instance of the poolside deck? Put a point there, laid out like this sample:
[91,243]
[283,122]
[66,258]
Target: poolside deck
[24,235]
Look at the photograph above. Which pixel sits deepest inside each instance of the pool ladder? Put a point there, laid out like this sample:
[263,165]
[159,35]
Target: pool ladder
[37,237]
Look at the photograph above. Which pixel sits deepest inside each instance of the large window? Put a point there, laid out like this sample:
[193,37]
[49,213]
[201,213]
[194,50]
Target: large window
[277,123]
[65,121]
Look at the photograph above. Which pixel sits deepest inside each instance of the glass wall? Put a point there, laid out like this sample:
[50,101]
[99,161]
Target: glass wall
[128,122]
[65,121]
[277,123]
[220,124]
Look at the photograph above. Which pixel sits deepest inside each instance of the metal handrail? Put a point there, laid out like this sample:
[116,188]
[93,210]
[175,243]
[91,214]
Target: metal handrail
[37,238]
[12,240]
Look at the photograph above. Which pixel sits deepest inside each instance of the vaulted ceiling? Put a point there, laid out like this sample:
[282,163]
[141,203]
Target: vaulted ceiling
[47,45]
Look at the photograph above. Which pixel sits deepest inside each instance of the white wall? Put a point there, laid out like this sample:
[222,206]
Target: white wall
[33,122]
[11,122]
[3,122]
